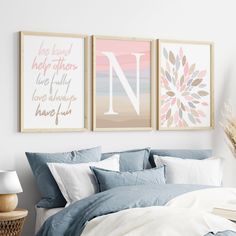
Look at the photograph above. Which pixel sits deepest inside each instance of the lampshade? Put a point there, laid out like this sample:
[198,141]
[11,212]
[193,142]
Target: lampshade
[9,182]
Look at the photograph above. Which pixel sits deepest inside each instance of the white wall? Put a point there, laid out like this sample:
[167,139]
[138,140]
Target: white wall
[183,19]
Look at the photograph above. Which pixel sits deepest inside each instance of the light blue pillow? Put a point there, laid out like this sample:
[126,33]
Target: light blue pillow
[107,179]
[51,194]
[131,160]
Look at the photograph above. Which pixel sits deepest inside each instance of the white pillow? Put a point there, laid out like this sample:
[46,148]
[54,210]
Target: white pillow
[191,171]
[76,181]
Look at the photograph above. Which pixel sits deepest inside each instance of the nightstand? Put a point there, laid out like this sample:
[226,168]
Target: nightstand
[11,223]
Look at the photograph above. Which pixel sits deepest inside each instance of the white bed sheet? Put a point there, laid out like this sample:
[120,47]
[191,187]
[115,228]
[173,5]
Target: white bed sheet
[184,215]
[42,214]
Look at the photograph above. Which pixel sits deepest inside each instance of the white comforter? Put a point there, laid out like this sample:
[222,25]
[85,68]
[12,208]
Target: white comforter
[185,215]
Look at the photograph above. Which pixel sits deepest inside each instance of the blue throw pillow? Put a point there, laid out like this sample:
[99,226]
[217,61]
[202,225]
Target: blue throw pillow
[51,194]
[131,160]
[107,179]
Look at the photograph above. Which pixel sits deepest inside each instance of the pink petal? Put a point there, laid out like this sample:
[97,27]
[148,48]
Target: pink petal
[202,73]
[182,87]
[165,108]
[163,79]
[181,53]
[168,67]
[176,117]
[164,97]
[186,69]
[187,109]
[198,121]
[188,98]
[201,113]
[173,101]
[163,118]
[204,103]
[186,79]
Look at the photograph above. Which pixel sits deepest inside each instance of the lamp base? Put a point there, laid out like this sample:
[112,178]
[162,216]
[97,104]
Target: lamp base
[8,202]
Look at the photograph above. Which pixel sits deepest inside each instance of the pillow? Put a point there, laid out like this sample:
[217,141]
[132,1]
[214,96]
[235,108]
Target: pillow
[131,160]
[198,154]
[110,179]
[51,195]
[190,171]
[77,181]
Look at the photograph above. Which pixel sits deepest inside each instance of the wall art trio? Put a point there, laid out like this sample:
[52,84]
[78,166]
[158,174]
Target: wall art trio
[54,83]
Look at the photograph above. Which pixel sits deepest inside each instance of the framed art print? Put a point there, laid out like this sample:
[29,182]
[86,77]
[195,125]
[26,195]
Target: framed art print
[185,85]
[53,82]
[122,83]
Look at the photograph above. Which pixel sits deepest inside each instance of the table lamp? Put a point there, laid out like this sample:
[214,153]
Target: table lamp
[9,187]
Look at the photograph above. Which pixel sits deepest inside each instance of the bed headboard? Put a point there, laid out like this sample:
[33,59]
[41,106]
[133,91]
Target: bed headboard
[198,154]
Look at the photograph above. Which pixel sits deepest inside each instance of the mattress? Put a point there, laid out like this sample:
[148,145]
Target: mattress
[42,214]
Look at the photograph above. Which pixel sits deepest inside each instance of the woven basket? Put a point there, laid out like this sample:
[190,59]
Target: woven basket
[12,227]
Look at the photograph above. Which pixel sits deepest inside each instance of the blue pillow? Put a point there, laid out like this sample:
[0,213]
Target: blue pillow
[131,160]
[51,194]
[107,179]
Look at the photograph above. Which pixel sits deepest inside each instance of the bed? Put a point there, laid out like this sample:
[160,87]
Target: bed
[139,203]
[42,214]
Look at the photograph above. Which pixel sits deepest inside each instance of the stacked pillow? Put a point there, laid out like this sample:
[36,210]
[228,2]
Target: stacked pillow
[71,176]
[53,184]
[50,192]
[77,181]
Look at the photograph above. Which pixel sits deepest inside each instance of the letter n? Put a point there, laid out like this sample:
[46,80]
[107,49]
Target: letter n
[114,65]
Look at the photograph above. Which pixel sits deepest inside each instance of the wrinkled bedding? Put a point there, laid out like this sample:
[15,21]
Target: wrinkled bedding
[139,211]
[158,220]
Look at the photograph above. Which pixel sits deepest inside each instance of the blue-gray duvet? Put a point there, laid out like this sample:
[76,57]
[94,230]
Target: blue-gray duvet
[72,220]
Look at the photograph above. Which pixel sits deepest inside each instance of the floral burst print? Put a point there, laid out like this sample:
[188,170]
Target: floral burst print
[184,91]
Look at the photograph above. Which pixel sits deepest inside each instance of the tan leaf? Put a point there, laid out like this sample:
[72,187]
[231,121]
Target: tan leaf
[181,80]
[194,112]
[185,123]
[203,93]
[168,114]
[192,68]
[195,96]
[170,121]
[172,57]
[176,75]
[178,102]
[202,85]
[185,94]
[184,60]
[196,82]
[182,106]
[170,93]
[162,71]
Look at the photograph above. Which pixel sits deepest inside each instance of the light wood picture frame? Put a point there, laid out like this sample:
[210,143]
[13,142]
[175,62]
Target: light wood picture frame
[53,82]
[122,83]
[185,87]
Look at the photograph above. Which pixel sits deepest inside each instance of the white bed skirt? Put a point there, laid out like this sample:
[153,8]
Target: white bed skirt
[42,214]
